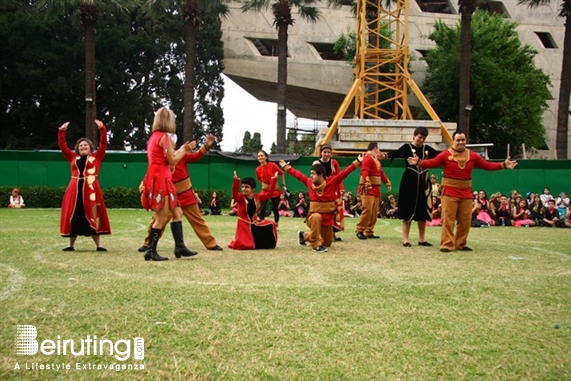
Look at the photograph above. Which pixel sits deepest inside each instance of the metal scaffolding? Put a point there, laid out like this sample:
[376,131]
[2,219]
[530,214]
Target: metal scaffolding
[382,79]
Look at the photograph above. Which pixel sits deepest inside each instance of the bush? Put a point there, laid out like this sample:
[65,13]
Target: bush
[116,197]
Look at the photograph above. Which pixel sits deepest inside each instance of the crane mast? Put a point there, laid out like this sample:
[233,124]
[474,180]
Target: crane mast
[382,78]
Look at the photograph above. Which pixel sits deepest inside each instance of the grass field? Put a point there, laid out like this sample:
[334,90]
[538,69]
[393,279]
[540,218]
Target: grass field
[366,310]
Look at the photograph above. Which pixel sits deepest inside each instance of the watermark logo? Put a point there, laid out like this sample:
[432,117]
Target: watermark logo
[26,344]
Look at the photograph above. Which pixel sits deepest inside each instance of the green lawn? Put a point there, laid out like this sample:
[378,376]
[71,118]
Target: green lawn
[366,310]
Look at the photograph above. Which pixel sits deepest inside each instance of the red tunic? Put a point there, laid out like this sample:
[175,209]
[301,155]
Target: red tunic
[90,192]
[186,194]
[324,193]
[459,166]
[372,171]
[264,174]
[244,239]
[158,183]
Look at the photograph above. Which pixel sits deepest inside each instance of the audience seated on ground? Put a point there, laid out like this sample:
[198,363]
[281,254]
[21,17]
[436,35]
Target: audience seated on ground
[283,206]
[522,215]
[476,208]
[436,212]
[233,208]
[562,203]
[546,196]
[356,205]
[551,216]
[503,212]
[483,214]
[16,200]
[391,207]
[214,208]
[301,206]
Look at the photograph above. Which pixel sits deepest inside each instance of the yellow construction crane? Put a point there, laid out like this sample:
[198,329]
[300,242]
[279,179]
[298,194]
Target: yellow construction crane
[382,79]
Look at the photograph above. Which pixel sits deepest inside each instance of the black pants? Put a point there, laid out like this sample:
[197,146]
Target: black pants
[275,204]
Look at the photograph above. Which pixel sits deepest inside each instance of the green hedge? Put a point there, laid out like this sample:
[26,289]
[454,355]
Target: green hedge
[116,197]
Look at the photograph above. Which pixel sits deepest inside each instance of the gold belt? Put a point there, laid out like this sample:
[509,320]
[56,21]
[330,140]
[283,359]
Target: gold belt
[183,185]
[456,183]
[322,207]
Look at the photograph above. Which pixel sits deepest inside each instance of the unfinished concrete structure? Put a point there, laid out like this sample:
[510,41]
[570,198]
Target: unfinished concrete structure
[318,81]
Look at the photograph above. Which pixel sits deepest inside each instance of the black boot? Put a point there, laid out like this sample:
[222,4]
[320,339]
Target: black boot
[180,250]
[151,253]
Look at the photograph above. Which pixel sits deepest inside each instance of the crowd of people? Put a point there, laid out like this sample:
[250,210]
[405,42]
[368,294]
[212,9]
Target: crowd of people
[167,191]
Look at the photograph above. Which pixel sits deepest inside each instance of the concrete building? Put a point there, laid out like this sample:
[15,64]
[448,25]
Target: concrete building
[318,81]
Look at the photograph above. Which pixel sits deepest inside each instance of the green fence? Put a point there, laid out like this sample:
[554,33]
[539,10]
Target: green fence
[126,169]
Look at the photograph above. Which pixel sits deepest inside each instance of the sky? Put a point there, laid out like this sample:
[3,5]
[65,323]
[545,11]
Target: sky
[243,112]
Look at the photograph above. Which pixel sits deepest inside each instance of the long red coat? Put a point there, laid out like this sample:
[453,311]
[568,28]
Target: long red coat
[244,239]
[90,193]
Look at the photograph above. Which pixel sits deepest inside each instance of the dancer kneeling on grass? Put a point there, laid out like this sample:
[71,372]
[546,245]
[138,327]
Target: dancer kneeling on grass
[322,202]
[251,231]
[159,192]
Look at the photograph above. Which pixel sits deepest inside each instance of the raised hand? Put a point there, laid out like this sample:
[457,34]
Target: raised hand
[99,123]
[510,164]
[236,175]
[360,158]
[192,145]
[188,147]
[283,163]
[63,127]
[210,139]
[413,160]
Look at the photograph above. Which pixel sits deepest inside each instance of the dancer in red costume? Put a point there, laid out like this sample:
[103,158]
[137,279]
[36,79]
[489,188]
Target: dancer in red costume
[83,209]
[323,192]
[264,173]
[332,167]
[372,175]
[458,163]
[252,232]
[187,199]
[159,192]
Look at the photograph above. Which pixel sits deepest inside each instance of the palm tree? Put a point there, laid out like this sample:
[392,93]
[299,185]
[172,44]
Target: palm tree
[88,14]
[466,9]
[565,87]
[283,19]
[191,14]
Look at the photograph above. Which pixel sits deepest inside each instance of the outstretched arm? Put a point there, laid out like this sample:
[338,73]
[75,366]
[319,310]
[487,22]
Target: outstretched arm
[102,148]
[67,153]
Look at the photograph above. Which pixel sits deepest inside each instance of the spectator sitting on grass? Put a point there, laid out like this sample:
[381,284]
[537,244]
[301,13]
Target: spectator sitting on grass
[537,210]
[522,215]
[300,206]
[16,200]
[214,207]
[503,212]
[551,216]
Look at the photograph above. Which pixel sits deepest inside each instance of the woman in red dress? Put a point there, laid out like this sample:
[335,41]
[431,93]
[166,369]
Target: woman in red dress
[159,194]
[264,173]
[83,209]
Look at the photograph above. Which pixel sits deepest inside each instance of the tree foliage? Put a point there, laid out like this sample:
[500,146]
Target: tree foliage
[251,144]
[561,141]
[140,67]
[508,92]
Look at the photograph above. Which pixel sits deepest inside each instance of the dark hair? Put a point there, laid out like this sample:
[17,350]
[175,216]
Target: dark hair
[318,168]
[91,146]
[457,132]
[324,147]
[265,153]
[249,181]
[421,131]
[372,146]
